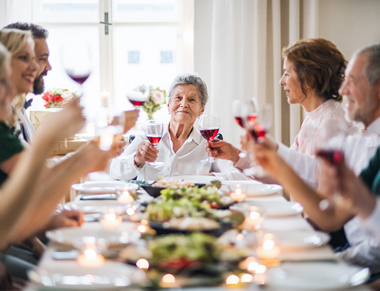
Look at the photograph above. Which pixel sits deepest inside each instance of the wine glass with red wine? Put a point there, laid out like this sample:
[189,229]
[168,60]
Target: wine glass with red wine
[209,128]
[154,131]
[329,147]
[257,129]
[138,95]
[245,113]
[77,62]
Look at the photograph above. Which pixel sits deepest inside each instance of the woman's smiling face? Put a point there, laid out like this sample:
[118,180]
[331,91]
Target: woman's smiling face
[185,104]
[24,69]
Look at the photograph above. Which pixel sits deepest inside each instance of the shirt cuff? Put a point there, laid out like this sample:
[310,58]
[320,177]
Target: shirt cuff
[243,163]
[372,222]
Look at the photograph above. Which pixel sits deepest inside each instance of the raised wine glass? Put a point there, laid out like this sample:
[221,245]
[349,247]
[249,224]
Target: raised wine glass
[154,131]
[329,146]
[209,128]
[257,129]
[77,63]
[109,127]
[138,95]
[245,113]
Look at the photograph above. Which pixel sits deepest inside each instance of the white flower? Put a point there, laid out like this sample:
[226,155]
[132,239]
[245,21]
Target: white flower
[158,97]
[67,95]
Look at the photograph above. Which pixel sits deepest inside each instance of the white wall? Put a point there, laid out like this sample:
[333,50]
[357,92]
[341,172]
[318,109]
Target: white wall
[350,24]
[202,39]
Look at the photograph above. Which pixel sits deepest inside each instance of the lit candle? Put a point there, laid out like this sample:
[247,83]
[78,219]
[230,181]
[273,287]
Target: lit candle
[90,258]
[246,278]
[106,138]
[268,252]
[142,264]
[238,195]
[104,98]
[111,220]
[168,281]
[232,280]
[254,219]
[126,197]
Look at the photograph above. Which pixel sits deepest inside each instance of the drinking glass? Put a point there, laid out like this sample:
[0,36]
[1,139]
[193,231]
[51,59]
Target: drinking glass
[329,146]
[76,60]
[109,127]
[138,95]
[154,133]
[245,113]
[209,128]
[259,129]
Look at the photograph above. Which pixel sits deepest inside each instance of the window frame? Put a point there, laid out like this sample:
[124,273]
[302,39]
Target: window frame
[106,61]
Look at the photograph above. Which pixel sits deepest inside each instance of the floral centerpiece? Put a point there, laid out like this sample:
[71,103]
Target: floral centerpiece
[57,97]
[156,99]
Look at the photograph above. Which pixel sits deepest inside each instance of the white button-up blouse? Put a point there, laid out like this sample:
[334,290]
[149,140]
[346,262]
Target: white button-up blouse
[186,161]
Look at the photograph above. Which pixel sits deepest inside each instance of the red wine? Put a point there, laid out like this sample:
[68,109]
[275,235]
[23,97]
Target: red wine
[210,133]
[334,157]
[252,119]
[154,139]
[136,102]
[239,121]
[258,131]
[79,79]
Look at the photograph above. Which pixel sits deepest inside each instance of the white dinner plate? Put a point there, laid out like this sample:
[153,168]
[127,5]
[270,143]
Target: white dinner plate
[254,188]
[273,209]
[96,206]
[302,239]
[316,276]
[70,275]
[73,235]
[193,178]
[102,187]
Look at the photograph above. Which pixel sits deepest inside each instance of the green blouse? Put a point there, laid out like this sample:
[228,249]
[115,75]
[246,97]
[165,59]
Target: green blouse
[9,146]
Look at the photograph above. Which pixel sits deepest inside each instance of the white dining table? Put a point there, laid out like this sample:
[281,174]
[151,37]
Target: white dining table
[291,223]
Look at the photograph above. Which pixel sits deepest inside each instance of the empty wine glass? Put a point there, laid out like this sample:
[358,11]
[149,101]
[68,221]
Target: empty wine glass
[329,146]
[109,127]
[154,131]
[138,95]
[209,128]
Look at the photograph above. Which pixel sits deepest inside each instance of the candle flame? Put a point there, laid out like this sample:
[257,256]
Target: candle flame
[141,228]
[232,279]
[130,211]
[142,264]
[240,236]
[254,215]
[90,254]
[238,191]
[168,278]
[261,269]
[253,266]
[246,278]
[110,216]
[268,244]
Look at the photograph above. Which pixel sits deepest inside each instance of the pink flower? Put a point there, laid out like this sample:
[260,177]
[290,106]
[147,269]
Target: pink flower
[158,97]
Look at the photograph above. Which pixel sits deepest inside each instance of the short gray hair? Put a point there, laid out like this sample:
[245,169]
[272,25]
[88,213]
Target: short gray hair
[373,68]
[190,79]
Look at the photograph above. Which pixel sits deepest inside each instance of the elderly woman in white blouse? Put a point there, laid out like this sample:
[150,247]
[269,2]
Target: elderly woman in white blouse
[181,148]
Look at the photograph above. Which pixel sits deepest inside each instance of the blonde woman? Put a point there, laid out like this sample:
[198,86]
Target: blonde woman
[24,67]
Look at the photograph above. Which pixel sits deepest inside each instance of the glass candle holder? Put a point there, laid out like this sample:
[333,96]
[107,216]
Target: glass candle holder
[268,249]
[238,192]
[111,220]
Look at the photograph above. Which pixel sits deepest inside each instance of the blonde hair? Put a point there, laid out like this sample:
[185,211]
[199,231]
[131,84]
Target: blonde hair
[14,40]
[4,57]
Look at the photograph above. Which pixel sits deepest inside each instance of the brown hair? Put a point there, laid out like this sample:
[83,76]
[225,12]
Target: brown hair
[319,64]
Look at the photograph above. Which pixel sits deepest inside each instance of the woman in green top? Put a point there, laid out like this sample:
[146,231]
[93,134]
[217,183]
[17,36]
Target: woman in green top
[24,70]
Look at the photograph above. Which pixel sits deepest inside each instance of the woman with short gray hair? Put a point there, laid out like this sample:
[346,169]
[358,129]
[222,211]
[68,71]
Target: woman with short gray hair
[181,147]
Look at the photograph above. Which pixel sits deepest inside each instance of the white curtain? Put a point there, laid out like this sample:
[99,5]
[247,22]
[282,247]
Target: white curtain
[15,10]
[247,38]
